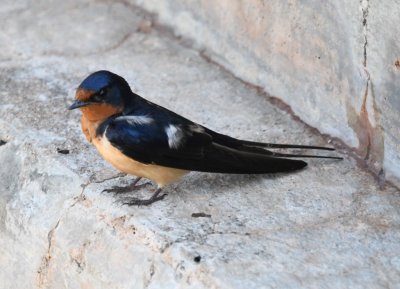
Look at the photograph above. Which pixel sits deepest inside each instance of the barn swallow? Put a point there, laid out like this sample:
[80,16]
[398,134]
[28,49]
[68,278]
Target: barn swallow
[146,140]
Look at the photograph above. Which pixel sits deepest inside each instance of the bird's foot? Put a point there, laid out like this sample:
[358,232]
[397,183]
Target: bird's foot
[146,202]
[126,189]
[140,202]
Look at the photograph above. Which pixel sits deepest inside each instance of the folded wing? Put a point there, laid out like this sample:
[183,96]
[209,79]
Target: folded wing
[189,147]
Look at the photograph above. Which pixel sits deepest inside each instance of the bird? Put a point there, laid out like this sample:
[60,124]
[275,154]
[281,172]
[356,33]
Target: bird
[143,139]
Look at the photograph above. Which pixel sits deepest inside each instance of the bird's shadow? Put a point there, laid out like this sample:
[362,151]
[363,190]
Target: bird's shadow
[223,182]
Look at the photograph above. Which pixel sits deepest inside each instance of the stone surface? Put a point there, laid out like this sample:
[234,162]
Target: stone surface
[333,62]
[329,226]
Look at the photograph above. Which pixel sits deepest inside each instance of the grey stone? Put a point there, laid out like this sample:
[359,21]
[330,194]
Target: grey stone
[329,226]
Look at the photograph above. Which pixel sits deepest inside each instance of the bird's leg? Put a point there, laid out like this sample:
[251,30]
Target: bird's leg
[146,202]
[127,189]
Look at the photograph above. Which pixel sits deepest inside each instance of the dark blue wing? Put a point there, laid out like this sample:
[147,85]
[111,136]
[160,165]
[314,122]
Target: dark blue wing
[193,150]
[151,143]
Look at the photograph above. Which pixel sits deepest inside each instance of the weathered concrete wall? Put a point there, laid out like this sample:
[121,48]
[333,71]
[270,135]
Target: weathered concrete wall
[336,63]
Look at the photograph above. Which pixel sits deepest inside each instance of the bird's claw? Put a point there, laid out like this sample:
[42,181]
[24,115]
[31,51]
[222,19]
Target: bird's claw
[145,202]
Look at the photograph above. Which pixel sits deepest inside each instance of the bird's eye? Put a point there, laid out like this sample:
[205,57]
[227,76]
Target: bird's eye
[100,95]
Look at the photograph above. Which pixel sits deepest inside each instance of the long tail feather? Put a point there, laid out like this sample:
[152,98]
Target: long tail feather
[262,148]
[304,156]
[264,151]
[290,146]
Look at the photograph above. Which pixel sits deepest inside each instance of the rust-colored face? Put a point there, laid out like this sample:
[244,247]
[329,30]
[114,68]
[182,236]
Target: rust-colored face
[83,94]
[94,111]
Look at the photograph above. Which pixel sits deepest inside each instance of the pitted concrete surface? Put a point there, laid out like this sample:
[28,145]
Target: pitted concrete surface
[329,226]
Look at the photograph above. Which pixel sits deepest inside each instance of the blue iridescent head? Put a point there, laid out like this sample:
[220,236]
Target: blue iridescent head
[102,87]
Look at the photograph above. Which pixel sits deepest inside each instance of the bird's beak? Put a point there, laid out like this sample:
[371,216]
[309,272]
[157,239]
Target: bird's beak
[78,104]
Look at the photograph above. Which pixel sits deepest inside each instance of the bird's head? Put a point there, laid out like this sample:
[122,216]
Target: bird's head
[101,95]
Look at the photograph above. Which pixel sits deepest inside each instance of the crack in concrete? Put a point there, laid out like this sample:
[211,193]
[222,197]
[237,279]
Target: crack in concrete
[43,273]
[365,115]
[82,197]
[112,47]
[117,45]
[119,175]
[365,118]
[365,11]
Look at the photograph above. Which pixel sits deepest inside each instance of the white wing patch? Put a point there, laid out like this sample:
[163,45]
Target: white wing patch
[136,119]
[175,136]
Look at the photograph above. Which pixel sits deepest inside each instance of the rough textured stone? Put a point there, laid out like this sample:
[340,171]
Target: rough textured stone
[333,62]
[328,226]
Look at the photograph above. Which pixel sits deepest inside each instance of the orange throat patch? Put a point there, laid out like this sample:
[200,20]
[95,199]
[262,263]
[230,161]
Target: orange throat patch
[93,114]
[99,112]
